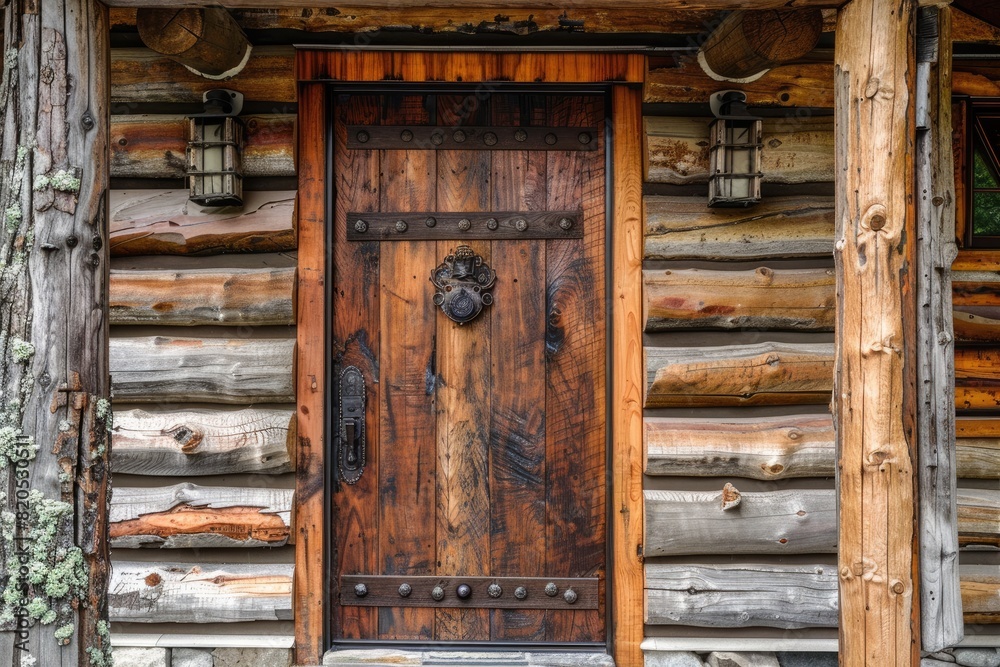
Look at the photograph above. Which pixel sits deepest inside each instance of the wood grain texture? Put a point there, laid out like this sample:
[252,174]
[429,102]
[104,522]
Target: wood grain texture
[796,150]
[182,444]
[976,260]
[209,593]
[766,448]
[748,43]
[356,342]
[976,78]
[686,228]
[311,520]
[230,297]
[969,29]
[153,146]
[977,378]
[514,4]
[978,512]
[456,66]
[807,82]
[980,593]
[576,361]
[518,429]
[683,523]
[407,356]
[463,398]
[206,40]
[627,380]
[745,595]
[757,374]
[875,407]
[142,75]
[978,458]
[189,516]
[765,298]
[164,222]
[215,370]
[940,595]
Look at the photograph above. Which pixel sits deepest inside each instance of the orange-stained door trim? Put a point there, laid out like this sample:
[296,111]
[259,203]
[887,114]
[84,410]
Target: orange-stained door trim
[314,69]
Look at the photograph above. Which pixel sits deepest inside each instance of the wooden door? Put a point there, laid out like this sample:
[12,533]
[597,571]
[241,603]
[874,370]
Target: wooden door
[484,458]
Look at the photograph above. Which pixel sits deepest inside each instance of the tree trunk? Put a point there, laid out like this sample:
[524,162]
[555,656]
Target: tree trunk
[53,329]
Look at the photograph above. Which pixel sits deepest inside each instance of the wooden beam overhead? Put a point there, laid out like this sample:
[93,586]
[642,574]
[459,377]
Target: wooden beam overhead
[874,402]
[206,41]
[749,43]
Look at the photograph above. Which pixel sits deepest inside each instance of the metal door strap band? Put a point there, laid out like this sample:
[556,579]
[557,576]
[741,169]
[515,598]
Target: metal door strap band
[475,592]
[437,137]
[436,226]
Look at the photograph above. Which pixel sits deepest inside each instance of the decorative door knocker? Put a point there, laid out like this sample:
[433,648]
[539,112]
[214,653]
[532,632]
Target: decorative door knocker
[463,284]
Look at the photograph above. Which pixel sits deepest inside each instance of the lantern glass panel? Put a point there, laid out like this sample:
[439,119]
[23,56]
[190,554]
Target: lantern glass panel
[734,162]
[214,161]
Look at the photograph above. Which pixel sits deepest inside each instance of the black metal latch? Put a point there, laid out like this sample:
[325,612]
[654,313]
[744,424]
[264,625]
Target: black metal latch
[351,426]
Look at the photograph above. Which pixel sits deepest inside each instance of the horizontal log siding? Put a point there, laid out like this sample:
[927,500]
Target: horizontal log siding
[164,222]
[153,146]
[231,297]
[209,593]
[679,228]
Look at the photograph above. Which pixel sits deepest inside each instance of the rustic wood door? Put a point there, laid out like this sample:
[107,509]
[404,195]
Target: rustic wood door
[484,460]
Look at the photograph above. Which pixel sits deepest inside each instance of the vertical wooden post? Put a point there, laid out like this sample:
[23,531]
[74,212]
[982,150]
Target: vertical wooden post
[628,377]
[310,518]
[874,404]
[941,623]
[54,414]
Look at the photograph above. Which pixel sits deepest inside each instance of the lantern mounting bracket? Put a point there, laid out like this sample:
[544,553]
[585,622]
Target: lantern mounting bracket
[730,104]
[220,102]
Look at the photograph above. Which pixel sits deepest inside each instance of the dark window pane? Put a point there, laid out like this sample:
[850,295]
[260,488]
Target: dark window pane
[986,214]
[982,174]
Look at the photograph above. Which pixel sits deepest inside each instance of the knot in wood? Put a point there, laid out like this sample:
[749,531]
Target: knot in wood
[872,87]
[898,587]
[878,222]
[731,497]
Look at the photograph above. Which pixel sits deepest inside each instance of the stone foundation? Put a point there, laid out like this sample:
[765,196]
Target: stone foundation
[131,656]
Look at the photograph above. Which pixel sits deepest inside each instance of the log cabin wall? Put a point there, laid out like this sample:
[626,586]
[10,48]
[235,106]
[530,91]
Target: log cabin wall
[201,356]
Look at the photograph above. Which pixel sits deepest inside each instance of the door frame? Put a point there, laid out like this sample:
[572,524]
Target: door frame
[623,73]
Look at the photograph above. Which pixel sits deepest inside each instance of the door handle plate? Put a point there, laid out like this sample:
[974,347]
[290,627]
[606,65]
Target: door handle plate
[351,455]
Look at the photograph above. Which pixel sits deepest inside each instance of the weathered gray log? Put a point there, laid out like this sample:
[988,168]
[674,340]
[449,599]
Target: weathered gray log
[940,523]
[233,297]
[764,298]
[758,374]
[760,448]
[189,516]
[796,150]
[153,146]
[207,41]
[209,593]
[183,370]
[772,522]
[978,518]
[53,330]
[977,458]
[164,222]
[980,593]
[686,228]
[181,444]
[737,596]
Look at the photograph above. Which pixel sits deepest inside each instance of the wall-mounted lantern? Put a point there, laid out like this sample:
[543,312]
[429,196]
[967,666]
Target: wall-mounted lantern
[734,152]
[214,150]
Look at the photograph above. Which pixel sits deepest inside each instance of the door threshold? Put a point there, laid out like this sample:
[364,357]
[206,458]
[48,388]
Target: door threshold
[392,657]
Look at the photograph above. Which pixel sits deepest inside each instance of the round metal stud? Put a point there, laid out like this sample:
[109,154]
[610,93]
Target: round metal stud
[465,224]
[521,135]
[490,139]
[584,138]
[430,222]
[494,590]
[437,138]
[406,135]
[401,226]
[569,596]
[405,590]
[551,589]
[521,224]
[463,591]
[520,592]
[551,139]
[459,136]
[361,226]
[437,593]
[492,224]
[360,590]
[565,224]
[363,137]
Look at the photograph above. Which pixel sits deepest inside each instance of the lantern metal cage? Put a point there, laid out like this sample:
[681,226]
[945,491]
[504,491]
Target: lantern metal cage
[215,150]
[735,143]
